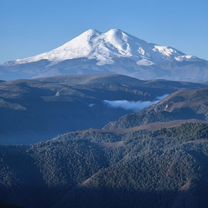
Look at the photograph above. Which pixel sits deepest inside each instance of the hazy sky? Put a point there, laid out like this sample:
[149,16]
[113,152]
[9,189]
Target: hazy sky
[29,27]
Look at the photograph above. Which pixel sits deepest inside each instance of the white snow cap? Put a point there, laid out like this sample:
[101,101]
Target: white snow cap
[107,47]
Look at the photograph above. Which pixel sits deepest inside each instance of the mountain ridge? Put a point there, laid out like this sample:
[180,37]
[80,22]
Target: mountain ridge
[183,104]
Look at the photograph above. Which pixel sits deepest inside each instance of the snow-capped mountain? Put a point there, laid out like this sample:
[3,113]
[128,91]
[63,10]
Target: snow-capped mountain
[106,47]
[113,51]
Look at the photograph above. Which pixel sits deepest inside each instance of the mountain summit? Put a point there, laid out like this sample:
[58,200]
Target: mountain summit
[114,51]
[105,47]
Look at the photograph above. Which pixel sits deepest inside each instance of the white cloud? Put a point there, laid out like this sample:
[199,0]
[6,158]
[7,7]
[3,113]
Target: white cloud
[132,105]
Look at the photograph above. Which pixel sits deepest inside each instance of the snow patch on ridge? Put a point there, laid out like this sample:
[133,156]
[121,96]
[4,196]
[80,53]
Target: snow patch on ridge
[183,58]
[165,51]
[144,62]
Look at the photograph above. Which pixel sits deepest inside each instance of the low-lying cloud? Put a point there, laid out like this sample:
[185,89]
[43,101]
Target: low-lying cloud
[133,105]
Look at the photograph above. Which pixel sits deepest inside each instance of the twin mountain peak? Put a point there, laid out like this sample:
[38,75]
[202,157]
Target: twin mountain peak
[114,51]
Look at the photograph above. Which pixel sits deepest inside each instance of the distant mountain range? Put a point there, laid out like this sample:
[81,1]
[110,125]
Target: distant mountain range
[38,109]
[114,51]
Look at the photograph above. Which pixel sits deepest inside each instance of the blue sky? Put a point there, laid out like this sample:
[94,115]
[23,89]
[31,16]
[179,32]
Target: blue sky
[30,27]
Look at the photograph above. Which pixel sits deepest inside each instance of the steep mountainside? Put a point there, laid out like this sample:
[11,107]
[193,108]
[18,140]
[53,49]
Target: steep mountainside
[164,166]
